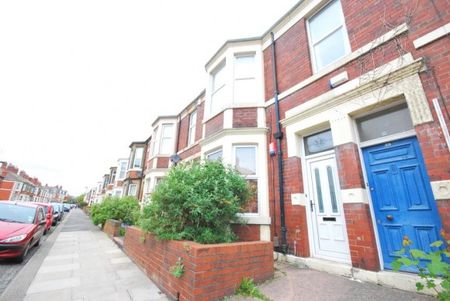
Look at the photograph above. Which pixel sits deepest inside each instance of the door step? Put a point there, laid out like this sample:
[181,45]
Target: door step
[398,280]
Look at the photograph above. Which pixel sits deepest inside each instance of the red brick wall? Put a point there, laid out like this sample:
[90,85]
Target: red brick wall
[295,215]
[210,271]
[199,125]
[245,117]
[214,125]
[361,236]
[183,133]
[444,211]
[5,190]
[349,166]
[196,149]
[112,227]
[133,174]
[162,162]
[434,150]
[247,232]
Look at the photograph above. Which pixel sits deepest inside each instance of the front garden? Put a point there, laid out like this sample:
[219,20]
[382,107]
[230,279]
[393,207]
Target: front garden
[183,238]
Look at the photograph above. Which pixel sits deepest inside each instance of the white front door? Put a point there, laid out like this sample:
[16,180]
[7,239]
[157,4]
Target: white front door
[327,220]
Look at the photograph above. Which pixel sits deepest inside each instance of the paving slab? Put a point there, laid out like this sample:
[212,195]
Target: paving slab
[84,264]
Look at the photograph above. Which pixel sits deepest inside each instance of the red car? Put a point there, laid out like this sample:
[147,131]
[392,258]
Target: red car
[48,210]
[21,227]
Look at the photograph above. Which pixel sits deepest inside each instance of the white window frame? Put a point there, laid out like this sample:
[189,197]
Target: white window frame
[192,127]
[311,45]
[135,158]
[171,138]
[236,79]
[221,67]
[153,142]
[135,189]
[122,169]
[207,155]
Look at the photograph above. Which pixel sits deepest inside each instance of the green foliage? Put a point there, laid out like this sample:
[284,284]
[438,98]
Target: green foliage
[178,269]
[247,288]
[197,202]
[124,209]
[122,231]
[79,200]
[436,266]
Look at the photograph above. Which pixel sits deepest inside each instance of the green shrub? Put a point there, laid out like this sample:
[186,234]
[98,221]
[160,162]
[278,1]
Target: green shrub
[431,265]
[196,202]
[124,209]
[247,288]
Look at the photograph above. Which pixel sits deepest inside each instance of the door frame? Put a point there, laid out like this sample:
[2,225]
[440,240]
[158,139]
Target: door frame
[312,232]
[361,145]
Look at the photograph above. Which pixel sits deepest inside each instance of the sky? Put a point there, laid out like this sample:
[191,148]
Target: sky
[80,80]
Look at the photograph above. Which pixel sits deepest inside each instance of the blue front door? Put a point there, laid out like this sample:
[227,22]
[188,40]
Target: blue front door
[402,198]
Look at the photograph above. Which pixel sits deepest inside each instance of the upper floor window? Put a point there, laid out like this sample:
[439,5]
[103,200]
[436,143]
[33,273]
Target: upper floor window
[244,78]
[192,125]
[167,143]
[328,36]
[122,169]
[218,89]
[137,162]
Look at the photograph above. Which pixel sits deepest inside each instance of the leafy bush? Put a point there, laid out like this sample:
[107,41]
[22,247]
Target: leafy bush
[197,202]
[124,209]
[431,265]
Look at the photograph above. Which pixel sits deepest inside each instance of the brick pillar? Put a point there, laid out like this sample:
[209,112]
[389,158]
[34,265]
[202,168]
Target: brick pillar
[360,231]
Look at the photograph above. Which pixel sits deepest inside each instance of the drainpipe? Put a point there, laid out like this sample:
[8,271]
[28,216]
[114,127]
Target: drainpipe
[279,136]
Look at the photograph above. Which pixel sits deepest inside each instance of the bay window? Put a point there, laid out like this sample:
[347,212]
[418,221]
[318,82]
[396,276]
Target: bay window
[244,78]
[167,142]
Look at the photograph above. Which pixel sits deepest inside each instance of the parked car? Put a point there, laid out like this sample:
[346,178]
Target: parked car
[57,207]
[21,227]
[66,207]
[48,210]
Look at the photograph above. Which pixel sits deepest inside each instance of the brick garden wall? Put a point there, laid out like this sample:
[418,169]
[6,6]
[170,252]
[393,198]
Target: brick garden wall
[112,227]
[210,271]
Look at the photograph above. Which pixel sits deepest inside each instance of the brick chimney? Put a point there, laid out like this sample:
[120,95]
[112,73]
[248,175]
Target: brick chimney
[12,168]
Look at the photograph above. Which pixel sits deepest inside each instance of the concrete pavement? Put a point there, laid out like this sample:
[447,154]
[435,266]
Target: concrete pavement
[293,283]
[84,264]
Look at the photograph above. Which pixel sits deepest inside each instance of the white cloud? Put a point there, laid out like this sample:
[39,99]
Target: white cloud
[80,80]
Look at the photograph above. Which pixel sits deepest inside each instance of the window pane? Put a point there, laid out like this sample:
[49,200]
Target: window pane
[332,189]
[252,203]
[218,100]
[217,155]
[318,142]
[246,160]
[132,190]
[244,67]
[385,123]
[330,49]
[166,139]
[318,189]
[219,78]
[192,125]
[138,157]
[245,90]
[325,21]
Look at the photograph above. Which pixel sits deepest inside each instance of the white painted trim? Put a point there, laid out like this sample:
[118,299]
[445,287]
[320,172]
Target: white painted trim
[441,189]
[432,36]
[354,195]
[264,233]
[255,219]
[343,61]
[398,280]
[442,123]
[228,119]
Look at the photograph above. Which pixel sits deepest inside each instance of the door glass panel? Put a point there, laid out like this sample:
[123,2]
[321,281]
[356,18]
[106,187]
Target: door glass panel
[318,142]
[319,190]
[392,121]
[332,189]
